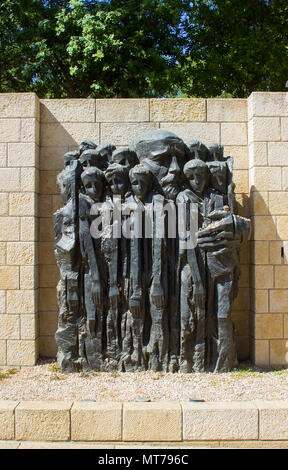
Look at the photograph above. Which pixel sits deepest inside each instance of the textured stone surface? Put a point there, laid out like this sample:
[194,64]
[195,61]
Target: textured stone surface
[21,253]
[265,178]
[228,109]
[70,133]
[268,104]
[264,129]
[278,352]
[20,301]
[67,110]
[160,421]
[233,133]
[278,300]
[268,326]
[264,228]
[260,304]
[49,420]
[18,105]
[22,204]
[10,130]
[9,277]
[273,419]
[263,277]
[282,227]
[178,110]
[96,421]
[229,420]
[9,228]
[7,410]
[122,110]
[277,154]
[21,353]
[258,154]
[9,179]
[208,133]
[278,203]
[261,352]
[22,154]
[281,277]
[124,134]
[10,326]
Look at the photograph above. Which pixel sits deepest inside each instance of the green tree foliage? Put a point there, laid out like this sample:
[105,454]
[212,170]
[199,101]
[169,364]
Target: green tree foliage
[77,48]
[236,47]
[142,48]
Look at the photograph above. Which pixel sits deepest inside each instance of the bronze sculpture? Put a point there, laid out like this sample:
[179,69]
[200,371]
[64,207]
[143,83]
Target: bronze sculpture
[134,292]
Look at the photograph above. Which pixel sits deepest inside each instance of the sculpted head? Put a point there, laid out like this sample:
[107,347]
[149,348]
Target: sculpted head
[198,150]
[70,157]
[92,158]
[197,174]
[93,181]
[86,144]
[117,177]
[106,150]
[218,176]
[164,154]
[125,157]
[64,183]
[216,152]
[141,181]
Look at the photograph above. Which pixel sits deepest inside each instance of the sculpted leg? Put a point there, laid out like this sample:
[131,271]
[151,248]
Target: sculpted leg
[187,321]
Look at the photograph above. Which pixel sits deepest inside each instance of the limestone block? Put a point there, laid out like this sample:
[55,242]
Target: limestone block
[244,276]
[240,178]
[278,300]
[239,154]
[49,276]
[281,277]
[284,128]
[29,226]
[46,229]
[178,109]
[9,277]
[242,301]
[268,326]
[4,203]
[264,129]
[2,253]
[263,277]
[47,299]
[258,154]
[22,204]
[47,346]
[10,130]
[278,154]
[9,228]
[273,418]
[28,277]
[20,301]
[3,155]
[57,202]
[219,421]
[48,182]
[46,253]
[285,179]
[208,133]
[122,110]
[260,252]
[21,353]
[260,301]
[96,421]
[264,228]
[28,328]
[48,322]
[23,154]
[29,179]
[275,252]
[18,104]
[2,355]
[285,326]
[43,420]
[51,158]
[67,110]
[278,352]
[259,203]
[30,130]
[265,178]
[261,352]
[282,227]
[9,179]
[278,203]
[70,133]
[155,421]
[268,104]
[2,301]
[227,109]
[10,326]
[7,416]
[124,134]
[45,205]
[21,253]
[233,133]
[242,205]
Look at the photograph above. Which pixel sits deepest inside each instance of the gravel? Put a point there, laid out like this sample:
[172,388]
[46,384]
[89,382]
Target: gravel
[46,382]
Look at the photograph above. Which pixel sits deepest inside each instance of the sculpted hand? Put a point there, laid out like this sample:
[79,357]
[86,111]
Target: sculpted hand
[114,296]
[96,294]
[157,295]
[135,306]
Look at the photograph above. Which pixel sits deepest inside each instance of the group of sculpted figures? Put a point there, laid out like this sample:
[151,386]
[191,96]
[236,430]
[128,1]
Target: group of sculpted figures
[150,300]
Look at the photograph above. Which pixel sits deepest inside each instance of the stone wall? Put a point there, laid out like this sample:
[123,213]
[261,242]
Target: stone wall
[63,125]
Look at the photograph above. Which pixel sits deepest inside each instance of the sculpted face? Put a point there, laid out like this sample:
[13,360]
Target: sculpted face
[93,184]
[140,185]
[164,154]
[117,177]
[92,158]
[198,178]
[218,176]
